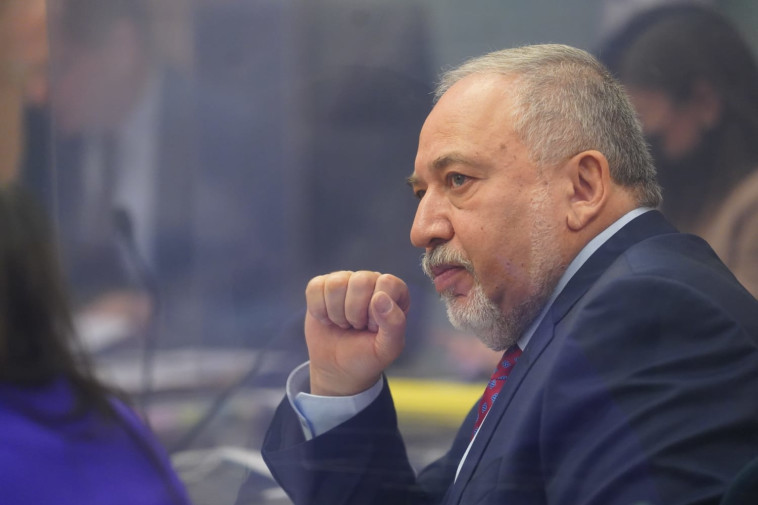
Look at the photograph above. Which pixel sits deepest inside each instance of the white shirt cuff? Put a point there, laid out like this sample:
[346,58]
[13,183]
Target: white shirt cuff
[319,414]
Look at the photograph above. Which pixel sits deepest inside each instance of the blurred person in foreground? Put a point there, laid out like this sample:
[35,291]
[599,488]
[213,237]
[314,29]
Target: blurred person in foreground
[631,351]
[65,439]
[694,82]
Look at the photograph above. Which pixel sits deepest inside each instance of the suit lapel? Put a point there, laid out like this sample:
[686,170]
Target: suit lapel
[645,226]
[541,338]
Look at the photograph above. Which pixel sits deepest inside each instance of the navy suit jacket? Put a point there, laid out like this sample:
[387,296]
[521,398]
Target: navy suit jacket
[638,387]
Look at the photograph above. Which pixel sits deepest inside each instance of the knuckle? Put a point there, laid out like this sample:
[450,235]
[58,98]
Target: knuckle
[314,285]
[389,281]
[336,281]
[362,280]
[396,288]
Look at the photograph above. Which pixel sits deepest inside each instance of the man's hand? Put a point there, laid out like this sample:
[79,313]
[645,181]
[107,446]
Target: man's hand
[354,328]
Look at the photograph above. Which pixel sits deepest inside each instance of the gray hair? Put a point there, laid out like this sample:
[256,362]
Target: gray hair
[567,102]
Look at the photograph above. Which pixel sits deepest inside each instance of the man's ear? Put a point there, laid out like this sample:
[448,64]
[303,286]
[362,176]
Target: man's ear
[590,183]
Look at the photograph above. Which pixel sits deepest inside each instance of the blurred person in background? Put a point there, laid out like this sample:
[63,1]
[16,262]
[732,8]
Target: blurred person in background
[694,82]
[154,197]
[101,73]
[66,439]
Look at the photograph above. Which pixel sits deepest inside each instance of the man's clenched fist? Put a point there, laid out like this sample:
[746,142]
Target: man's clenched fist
[354,328]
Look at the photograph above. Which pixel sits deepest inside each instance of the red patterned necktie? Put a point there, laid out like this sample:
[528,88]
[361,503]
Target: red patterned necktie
[499,377]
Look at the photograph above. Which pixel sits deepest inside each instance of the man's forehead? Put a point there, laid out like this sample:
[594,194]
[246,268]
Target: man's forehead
[477,102]
[480,86]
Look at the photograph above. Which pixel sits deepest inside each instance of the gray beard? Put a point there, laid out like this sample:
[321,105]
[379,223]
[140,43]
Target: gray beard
[480,316]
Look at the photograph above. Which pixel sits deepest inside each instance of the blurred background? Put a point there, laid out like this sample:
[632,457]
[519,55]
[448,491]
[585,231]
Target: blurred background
[202,159]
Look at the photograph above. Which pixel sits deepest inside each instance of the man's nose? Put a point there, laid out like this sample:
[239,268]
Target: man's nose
[431,226]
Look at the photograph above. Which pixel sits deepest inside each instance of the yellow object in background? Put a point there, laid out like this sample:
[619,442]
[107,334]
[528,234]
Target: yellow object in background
[433,402]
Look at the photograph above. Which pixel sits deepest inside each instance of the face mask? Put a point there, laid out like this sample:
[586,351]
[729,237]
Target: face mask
[685,180]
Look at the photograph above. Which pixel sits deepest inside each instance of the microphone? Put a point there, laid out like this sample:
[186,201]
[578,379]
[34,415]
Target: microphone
[124,228]
[122,222]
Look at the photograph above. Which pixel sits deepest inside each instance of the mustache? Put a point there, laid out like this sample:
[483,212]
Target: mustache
[444,255]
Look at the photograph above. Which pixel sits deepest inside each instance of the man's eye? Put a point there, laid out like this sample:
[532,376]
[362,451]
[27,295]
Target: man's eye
[457,180]
[420,193]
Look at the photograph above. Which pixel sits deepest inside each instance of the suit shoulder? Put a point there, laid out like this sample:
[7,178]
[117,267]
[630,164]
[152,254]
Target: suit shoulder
[678,260]
[674,277]
[671,254]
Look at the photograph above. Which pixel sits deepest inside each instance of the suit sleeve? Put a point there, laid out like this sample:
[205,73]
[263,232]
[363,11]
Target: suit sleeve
[362,461]
[653,399]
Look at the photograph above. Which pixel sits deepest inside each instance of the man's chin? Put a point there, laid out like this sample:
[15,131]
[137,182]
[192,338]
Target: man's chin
[483,319]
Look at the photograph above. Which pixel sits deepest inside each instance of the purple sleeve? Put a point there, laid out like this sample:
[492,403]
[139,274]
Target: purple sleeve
[153,450]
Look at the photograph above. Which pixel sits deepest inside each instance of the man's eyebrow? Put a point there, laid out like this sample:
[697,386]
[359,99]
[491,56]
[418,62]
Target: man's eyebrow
[442,162]
[450,159]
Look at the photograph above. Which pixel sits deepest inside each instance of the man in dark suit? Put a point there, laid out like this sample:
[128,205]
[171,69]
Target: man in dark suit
[631,352]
